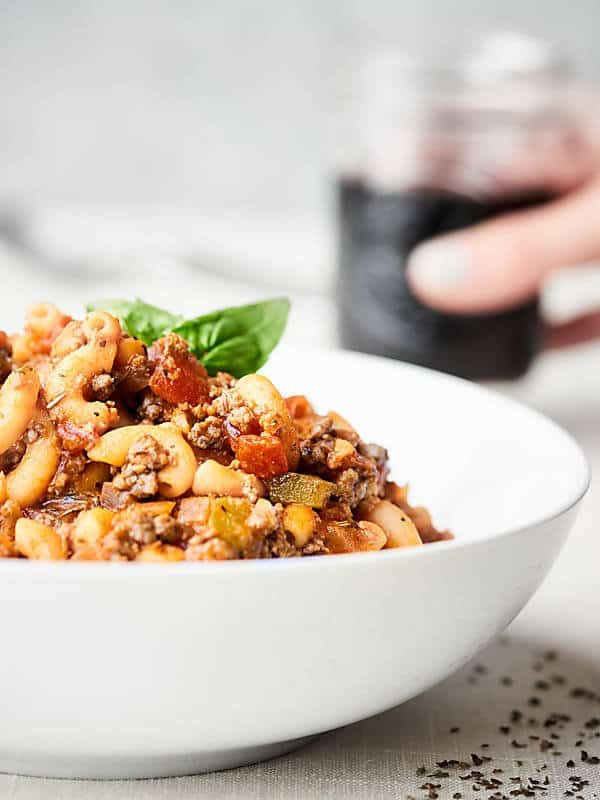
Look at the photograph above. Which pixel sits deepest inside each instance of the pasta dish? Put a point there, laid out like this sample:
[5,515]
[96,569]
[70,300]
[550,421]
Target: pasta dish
[121,447]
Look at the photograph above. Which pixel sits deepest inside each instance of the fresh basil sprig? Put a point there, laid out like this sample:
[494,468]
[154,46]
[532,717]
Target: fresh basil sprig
[237,340]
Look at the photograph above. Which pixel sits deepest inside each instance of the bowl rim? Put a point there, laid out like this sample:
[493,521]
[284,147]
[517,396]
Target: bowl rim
[125,569]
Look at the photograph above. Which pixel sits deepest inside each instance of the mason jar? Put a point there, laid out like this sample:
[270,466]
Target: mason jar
[444,146]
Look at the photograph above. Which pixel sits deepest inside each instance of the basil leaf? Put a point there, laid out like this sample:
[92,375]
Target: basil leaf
[149,323]
[238,340]
[238,356]
[145,322]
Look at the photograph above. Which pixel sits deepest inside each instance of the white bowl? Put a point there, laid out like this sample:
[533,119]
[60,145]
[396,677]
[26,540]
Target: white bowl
[140,670]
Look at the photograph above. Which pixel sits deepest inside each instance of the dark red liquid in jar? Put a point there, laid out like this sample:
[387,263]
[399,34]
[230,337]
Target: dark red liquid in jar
[379,314]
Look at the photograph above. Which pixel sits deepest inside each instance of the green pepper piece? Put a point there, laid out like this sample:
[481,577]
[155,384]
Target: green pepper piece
[294,487]
[228,517]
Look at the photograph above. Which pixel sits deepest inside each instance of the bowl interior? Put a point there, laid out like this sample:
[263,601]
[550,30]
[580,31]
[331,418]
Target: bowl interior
[482,463]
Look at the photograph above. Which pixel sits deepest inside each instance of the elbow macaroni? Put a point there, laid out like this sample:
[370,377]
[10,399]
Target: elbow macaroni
[28,482]
[43,324]
[174,479]
[73,372]
[212,478]
[18,398]
[69,339]
[37,541]
[44,321]
[91,526]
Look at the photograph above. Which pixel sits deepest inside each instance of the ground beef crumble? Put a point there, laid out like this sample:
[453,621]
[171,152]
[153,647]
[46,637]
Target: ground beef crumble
[361,478]
[315,547]
[153,410]
[102,386]
[139,473]
[208,434]
[221,382]
[214,549]
[136,528]
[278,544]
[356,484]
[242,419]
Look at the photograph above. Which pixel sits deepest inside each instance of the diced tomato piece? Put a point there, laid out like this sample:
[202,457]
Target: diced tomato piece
[263,455]
[298,406]
[177,375]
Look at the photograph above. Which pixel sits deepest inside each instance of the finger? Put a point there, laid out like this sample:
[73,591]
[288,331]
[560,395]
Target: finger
[500,263]
[575,331]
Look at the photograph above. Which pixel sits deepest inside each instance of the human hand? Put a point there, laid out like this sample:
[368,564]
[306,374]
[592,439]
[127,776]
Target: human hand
[500,263]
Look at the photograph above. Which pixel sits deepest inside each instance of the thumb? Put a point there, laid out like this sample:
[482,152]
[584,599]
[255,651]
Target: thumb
[498,264]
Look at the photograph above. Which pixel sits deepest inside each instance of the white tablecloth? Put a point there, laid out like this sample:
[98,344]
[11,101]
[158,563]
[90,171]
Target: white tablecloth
[393,755]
